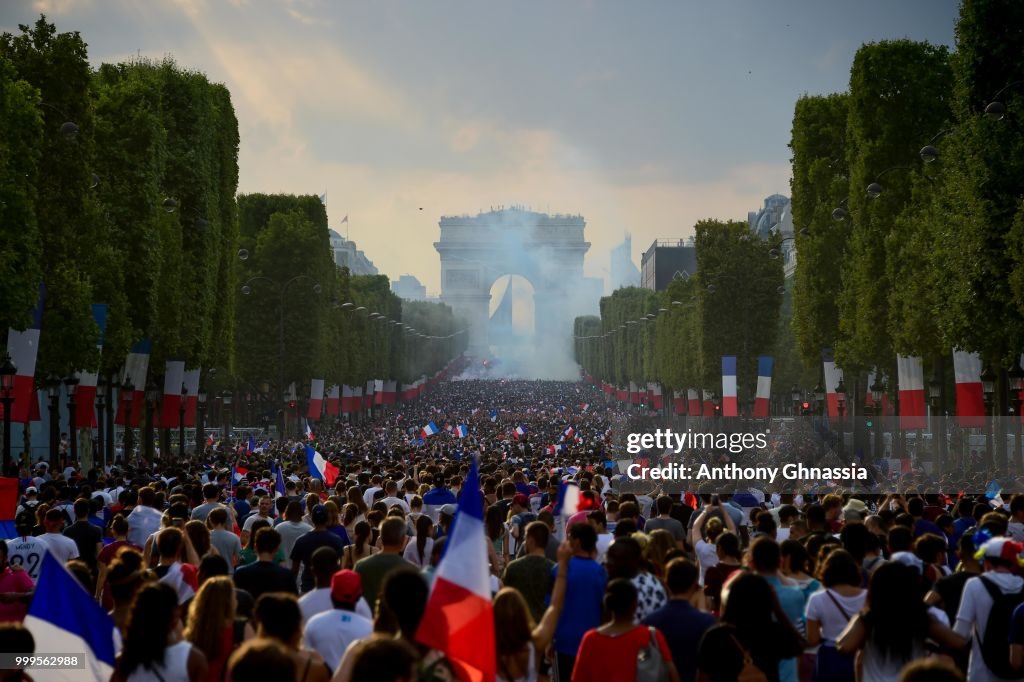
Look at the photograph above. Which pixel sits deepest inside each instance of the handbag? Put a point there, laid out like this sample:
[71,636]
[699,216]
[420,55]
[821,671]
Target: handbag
[650,664]
[749,672]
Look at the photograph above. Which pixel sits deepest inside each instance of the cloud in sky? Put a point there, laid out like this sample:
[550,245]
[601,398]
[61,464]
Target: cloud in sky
[642,118]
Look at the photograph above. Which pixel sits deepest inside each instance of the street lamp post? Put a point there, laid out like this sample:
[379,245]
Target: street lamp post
[7,373]
[938,421]
[795,395]
[101,406]
[988,389]
[72,385]
[108,454]
[1016,379]
[201,421]
[128,390]
[876,396]
[181,422]
[226,398]
[841,407]
[53,384]
[152,396]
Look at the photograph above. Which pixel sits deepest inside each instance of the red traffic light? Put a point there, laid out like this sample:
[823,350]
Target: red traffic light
[807,405]
[291,403]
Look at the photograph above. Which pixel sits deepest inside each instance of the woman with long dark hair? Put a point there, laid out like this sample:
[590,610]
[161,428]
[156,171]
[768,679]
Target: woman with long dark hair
[418,552]
[753,631]
[154,649]
[893,627]
[360,548]
[828,612]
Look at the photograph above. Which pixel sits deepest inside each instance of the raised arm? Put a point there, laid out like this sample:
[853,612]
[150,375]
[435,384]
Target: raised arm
[545,630]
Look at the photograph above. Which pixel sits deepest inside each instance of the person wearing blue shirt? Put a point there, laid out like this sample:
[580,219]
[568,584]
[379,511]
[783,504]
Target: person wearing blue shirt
[583,597]
[679,622]
[439,495]
[765,559]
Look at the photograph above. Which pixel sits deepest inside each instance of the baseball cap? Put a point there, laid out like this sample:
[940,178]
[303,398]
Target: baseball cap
[448,509]
[521,499]
[346,586]
[318,514]
[31,490]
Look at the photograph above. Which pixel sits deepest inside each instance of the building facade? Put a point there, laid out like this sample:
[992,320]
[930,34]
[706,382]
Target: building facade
[347,255]
[621,270]
[776,218]
[408,287]
[665,260]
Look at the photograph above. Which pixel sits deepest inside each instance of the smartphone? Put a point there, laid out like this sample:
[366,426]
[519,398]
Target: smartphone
[714,500]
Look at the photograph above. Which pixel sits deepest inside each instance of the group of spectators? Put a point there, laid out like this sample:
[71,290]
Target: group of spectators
[210,580]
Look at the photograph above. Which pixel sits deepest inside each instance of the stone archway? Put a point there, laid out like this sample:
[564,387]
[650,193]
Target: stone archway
[547,250]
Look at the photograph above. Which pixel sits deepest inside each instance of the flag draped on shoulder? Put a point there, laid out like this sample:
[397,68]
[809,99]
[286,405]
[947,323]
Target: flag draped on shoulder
[458,619]
[64,617]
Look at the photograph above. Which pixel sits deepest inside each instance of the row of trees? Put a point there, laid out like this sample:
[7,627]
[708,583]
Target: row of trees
[118,185]
[912,199]
[731,306]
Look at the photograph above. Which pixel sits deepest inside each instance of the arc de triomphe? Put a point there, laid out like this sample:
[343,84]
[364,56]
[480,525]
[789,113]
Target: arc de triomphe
[546,250]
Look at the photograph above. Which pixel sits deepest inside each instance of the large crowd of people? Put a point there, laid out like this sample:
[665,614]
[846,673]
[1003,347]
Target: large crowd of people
[210,578]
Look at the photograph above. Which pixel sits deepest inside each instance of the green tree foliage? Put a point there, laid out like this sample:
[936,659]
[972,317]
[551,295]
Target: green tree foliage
[899,96]
[20,137]
[678,336]
[738,299]
[66,213]
[427,356]
[820,182]
[289,262]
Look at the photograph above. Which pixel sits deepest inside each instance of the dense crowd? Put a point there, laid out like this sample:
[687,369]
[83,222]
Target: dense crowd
[210,578]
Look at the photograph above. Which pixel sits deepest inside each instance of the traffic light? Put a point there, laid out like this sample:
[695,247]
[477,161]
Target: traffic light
[805,409]
[291,404]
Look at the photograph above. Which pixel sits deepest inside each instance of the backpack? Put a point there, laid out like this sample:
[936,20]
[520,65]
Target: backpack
[650,664]
[997,631]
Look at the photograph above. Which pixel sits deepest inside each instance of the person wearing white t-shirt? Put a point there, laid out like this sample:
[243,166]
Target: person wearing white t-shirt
[1000,560]
[144,520]
[391,497]
[830,610]
[372,490]
[324,564]
[26,550]
[61,547]
[705,532]
[329,633]
[265,506]
[291,529]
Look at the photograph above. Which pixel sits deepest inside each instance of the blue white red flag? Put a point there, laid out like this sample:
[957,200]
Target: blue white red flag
[309,431]
[430,429]
[64,617]
[520,430]
[458,619]
[494,415]
[461,430]
[568,502]
[238,474]
[279,489]
[250,447]
[320,467]
[8,507]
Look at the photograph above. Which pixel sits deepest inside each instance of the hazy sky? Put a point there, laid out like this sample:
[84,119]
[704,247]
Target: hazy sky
[642,116]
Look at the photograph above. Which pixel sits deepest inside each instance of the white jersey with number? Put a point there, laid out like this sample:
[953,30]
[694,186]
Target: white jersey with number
[27,552]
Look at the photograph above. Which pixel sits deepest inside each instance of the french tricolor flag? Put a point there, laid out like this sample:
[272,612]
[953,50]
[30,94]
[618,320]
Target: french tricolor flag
[520,431]
[493,416]
[309,432]
[135,369]
[390,392]
[238,474]
[316,399]
[657,399]
[320,467]
[729,386]
[569,433]
[692,402]
[459,619]
[764,385]
[970,401]
[85,396]
[568,502]
[333,400]
[430,429]
[23,348]
[911,386]
[192,397]
[174,378]
[679,402]
[709,402]
[584,407]
[378,391]
[461,430]
[833,375]
[347,400]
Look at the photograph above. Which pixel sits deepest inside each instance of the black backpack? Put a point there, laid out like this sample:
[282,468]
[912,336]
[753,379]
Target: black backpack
[994,647]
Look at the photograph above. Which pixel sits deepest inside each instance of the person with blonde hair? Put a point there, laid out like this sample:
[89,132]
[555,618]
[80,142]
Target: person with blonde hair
[211,623]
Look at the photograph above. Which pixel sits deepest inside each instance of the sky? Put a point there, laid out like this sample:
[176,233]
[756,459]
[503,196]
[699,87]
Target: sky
[644,117]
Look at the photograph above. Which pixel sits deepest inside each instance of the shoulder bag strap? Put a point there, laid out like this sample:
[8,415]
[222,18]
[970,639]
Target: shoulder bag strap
[838,605]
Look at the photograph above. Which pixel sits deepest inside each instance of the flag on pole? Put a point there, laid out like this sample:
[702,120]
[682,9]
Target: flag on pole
[309,431]
[729,406]
[493,415]
[657,399]
[135,369]
[320,467]
[64,617]
[692,402]
[279,488]
[461,430]
[911,391]
[174,378]
[970,400]
[833,375]
[250,447]
[8,507]
[520,431]
[568,502]
[85,395]
[23,348]
[192,397]
[333,400]
[316,399]
[458,619]
[238,474]
[344,220]
[430,429]
[764,386]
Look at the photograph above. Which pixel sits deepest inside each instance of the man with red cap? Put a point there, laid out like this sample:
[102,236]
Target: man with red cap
[330,633]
